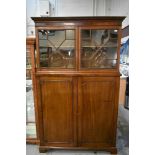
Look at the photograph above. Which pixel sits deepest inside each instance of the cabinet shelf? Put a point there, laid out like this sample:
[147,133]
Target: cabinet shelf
[101,46]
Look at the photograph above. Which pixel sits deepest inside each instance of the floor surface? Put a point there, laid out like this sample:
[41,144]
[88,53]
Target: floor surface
[122,140]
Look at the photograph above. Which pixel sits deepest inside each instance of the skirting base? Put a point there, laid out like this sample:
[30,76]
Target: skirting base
[44,149]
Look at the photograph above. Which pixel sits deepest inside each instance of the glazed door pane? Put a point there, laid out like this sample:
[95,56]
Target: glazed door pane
[30,114]
[57,48]
[30,111]
[31,130]
[28,64]
[98,48]
[30,101]
[28,58]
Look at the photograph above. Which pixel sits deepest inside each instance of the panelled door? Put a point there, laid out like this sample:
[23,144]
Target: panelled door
[78,111]
[96,110]
[56,111]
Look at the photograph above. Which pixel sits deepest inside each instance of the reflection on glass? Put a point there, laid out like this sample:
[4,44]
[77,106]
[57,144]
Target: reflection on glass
[99,48]
[29,102]
[57,48]
[30,115]
[31,130]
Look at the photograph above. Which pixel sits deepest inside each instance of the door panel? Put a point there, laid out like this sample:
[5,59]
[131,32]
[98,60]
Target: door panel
[57,110]
[96,111]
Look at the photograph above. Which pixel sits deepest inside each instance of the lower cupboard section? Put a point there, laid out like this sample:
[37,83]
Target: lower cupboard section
[77,112]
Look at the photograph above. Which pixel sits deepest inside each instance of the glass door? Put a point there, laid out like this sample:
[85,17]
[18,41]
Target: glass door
[30,112]
[98,48]
[57,48]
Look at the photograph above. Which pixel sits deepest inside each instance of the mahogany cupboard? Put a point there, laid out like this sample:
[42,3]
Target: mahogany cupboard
[77,82]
